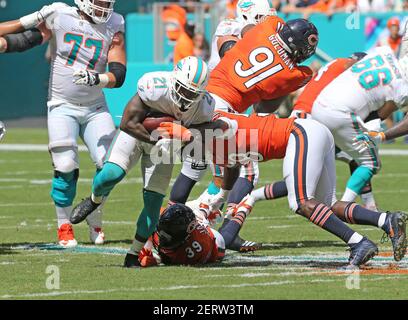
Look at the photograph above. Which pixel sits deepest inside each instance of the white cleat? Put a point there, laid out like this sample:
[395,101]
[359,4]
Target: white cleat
[66,236]
[96,235]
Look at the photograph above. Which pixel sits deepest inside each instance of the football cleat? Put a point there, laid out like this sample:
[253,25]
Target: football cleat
[131,261]
[96,235]
[242,245]
[66,236]
[82,210]
[395,228]
[362,252]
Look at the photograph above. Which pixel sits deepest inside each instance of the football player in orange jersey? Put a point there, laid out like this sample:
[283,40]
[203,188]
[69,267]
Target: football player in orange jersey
[185,238]
[303,109]
[307,148]
[261,67]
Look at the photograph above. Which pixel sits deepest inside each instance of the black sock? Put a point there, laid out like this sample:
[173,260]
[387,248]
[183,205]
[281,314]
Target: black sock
[240,189]
[356,214]
[231,229]
[324,218]
[181,189]
[276,190]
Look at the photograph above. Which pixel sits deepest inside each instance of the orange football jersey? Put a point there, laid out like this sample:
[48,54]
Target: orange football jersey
[200,248]
[260,137]
[320,81]
[257,68]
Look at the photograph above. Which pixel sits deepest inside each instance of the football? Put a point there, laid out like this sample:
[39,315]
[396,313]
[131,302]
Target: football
[152,121]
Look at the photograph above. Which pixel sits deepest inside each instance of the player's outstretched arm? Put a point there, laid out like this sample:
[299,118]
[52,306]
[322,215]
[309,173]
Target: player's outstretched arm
[133,116]
[29,21]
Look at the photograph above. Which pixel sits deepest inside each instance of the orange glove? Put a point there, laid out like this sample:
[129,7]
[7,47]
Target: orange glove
[174,131]
[146,258]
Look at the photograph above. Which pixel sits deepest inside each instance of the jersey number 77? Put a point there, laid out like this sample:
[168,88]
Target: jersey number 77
[77,40]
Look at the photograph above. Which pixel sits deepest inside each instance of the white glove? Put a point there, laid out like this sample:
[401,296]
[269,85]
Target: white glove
[2,130]
[35,18]
[86,78]
[367,140]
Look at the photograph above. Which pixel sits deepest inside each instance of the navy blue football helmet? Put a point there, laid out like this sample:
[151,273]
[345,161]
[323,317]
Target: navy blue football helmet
[175,225]
[299,38]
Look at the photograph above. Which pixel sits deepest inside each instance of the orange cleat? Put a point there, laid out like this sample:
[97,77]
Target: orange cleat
[66,236]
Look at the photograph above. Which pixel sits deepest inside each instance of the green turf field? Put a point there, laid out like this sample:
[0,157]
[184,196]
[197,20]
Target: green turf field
[299,260]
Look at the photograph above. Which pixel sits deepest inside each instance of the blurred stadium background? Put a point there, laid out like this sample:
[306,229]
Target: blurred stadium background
[345,26]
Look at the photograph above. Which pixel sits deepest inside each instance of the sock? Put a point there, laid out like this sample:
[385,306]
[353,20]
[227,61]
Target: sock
[271,191]
[368,200]
[349,195]
[181,189]
[136,247]
[355,238]
[381,220]
[106,179]
[149,217]
[360,177]
[63,215]
[230,230]
[240,189]
[355,214]
[213,188]
[324,218]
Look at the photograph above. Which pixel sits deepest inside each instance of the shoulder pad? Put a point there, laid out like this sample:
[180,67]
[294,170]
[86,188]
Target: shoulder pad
[117,23]
[151,86]
[228,27]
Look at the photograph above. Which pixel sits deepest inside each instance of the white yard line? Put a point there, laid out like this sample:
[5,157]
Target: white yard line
[180,287]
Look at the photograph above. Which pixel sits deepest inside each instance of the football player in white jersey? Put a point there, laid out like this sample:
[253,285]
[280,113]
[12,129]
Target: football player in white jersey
[180,94]
[84,41]
[373,83]
[228,32]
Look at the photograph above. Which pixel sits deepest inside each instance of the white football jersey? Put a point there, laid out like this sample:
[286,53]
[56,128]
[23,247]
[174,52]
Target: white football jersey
[228,27]
[367,85]
[154,89]
[78,44]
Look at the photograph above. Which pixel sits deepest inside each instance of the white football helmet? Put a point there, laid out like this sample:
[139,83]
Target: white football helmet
[403,62]
[99,10]
[254,11]
[190,77]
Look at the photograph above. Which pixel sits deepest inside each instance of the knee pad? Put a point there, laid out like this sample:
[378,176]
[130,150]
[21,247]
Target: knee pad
[106,179]
[149,217]
[359,178]
[64,187]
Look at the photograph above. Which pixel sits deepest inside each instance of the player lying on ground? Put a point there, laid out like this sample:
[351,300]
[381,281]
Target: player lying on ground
[183,238]
[307,149]
[242,78]
[84,41]
[180,94]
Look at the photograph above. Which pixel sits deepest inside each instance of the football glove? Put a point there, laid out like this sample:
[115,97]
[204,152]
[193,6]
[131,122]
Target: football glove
[173,130]
[207,217]
[362,142]
[86,78]
[35,18]
[147,258]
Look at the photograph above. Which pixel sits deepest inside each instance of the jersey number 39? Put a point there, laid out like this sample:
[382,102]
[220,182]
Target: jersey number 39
[267,57]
